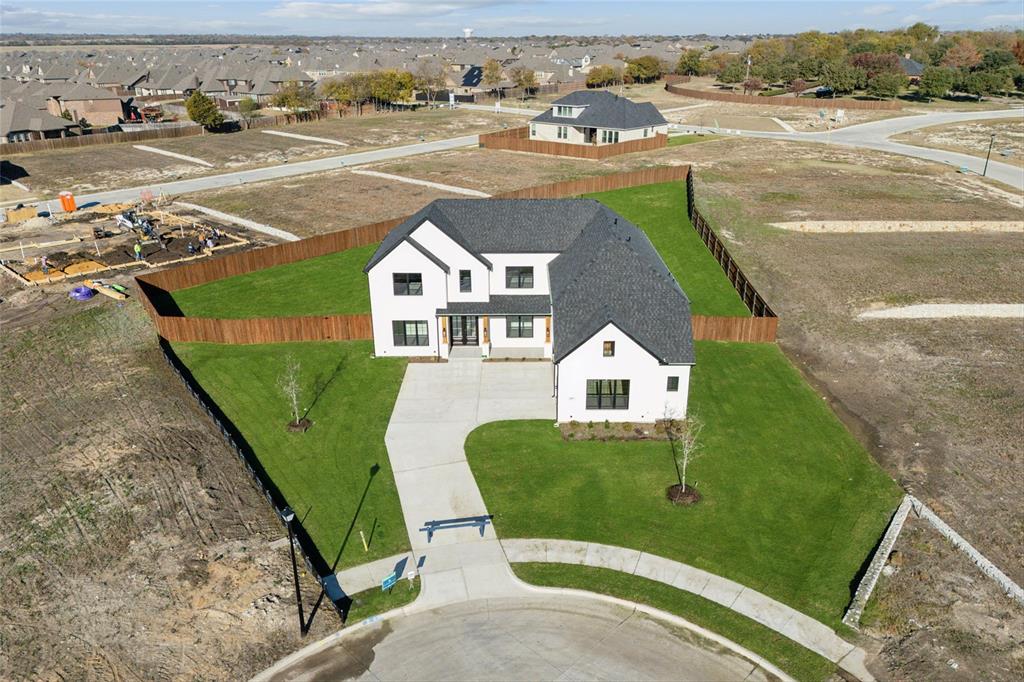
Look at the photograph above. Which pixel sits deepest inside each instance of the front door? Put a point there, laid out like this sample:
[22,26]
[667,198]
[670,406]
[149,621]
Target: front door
[464,330]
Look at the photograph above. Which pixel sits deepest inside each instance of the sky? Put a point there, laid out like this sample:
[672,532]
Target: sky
[495,17]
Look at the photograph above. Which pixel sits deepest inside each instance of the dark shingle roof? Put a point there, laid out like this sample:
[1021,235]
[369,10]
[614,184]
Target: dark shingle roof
[607,269]
[604,110]
[910,67]
[501,305]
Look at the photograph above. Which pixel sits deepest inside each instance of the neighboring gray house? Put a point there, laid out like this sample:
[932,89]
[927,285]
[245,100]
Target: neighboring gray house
[597,117]
[22,122]
[565,279]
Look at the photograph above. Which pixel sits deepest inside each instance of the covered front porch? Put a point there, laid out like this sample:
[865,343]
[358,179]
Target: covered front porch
[504,327]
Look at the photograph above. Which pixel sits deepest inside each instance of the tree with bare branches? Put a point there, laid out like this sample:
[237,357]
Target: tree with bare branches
[289,384]
[685,440]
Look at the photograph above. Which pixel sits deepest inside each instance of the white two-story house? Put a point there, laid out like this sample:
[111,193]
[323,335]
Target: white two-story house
[597,117]
[564,279]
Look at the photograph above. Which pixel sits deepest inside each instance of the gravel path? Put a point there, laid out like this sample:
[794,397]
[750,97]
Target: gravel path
[940,310]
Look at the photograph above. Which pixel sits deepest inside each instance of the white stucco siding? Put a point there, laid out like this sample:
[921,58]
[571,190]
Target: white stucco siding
[387,307]
[500,338]
[538,261]
[638,133]
[448,251]
[649,397]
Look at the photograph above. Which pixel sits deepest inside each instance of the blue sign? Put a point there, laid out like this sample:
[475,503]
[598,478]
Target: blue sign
[389,581]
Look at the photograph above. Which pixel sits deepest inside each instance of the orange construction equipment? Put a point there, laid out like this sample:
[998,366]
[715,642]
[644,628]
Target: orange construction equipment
[67,201]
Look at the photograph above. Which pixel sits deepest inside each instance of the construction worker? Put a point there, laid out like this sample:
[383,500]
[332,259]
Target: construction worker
[138,251]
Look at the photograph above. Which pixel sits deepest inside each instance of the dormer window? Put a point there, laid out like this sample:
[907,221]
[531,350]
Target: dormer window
[563,111]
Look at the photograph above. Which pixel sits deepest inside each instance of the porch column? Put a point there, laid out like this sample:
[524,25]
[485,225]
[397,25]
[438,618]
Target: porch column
[444,330]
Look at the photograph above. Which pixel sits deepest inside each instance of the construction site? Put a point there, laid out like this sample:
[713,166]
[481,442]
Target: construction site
[40,247]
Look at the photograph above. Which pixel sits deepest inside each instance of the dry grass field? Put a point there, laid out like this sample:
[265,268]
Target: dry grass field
[973,138]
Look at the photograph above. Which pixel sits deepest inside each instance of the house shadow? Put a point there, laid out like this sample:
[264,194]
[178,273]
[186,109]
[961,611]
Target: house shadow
[11,171]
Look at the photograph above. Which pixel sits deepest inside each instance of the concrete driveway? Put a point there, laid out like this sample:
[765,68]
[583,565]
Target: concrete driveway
[438,406]
[532,639]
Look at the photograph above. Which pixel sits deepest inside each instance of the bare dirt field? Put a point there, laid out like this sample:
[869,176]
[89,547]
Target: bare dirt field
[134,544]
[323,202]
[759,117]
[102,167]
[973,138]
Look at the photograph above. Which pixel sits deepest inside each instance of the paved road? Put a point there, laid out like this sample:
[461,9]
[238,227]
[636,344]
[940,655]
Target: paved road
[533,639]
[874,135]
[282,171]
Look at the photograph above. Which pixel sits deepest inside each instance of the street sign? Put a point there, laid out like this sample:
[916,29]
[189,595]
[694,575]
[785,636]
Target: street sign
[389,581]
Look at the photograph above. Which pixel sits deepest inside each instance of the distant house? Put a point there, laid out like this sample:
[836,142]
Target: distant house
[98,106]
[565,279]
[597,117]
[912,69]
[21,122]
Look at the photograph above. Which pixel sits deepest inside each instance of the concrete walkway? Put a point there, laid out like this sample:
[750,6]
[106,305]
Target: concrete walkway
[424,183]
[282,171]
[242,222]
[308,138]
[173,155]
[931,311]
[774,615]
[438,406]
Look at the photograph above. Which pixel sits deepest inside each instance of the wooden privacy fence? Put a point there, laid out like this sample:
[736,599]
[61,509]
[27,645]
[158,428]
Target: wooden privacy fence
[517,140]
[155,287]
[783,101]
[99,138]
[753,300]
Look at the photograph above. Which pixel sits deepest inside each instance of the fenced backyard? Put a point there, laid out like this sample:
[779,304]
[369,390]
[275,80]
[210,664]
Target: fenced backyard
[173,325]
[517,140]
[74,141]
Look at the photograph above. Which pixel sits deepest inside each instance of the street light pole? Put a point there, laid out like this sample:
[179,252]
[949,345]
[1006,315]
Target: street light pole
[288,515]
[991,141]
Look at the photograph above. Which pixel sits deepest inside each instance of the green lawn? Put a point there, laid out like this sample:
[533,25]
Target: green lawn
[327,285]
[677,140]
[660,210]
[323,472]
[375,601]
[801,663]
[792,503]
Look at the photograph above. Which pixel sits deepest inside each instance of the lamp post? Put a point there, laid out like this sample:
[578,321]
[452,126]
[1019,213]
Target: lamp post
[991,141]
[288,516]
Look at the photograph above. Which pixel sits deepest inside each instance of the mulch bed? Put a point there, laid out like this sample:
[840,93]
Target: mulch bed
[682,497]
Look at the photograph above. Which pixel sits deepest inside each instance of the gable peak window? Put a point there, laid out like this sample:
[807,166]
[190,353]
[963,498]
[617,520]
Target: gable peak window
[519,277]
[465,281]
[408,283]
[608,349]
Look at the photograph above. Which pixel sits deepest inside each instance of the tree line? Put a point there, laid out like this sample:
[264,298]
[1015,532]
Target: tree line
[978,63]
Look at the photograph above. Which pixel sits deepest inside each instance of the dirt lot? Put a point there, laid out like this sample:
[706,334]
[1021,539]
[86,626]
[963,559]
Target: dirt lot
[759,117]
[323,202]
[91,169]
[134,544]
[973,138]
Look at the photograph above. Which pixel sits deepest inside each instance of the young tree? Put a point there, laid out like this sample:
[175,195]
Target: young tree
[525,79]
[686,445]
[203,110]
[886,85]
[752,85]
[796,86]
[936,81]
[247,109]
[492,75]
[430,78]
[289,384]
[294,97]
[689,63]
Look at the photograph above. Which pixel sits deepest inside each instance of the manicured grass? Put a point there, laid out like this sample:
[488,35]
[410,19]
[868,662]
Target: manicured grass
[792,503]
[375,601]
[660,210]
[324,472]
[676,140]
[801,663]
[327,285]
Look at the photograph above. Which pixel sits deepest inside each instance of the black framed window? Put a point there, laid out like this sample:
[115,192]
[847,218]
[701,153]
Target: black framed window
[519,327]
[563,132]
[408,283]
[519,277]
[607,394]
[465,281]
[608,349]
[410,332]
[673,384]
